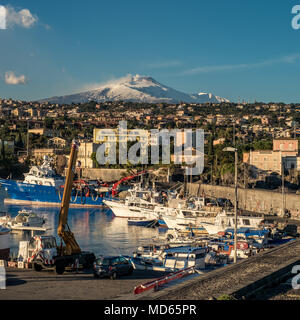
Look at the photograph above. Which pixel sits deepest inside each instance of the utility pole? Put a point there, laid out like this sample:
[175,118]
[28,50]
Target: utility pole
[235,203]
[230,149]
[234,134]
[244,175]
[282,186]
[27,138]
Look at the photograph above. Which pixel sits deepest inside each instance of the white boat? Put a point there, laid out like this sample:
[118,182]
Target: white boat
[25,218]
[224,221]
[184,257]
[170,259]
[4,231]
[4,243]
[176,213]
[44,175]
[138,204]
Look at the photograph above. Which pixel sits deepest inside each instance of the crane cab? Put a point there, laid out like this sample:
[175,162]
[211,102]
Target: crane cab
[43,253]
[39,250]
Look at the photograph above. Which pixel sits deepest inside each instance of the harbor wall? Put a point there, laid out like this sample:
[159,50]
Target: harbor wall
[261,201]
[106,175]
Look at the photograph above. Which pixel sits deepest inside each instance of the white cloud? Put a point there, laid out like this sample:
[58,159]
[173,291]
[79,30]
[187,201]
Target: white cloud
[290,59]
[2,17]
[112,81]
[23,18]
[11,78]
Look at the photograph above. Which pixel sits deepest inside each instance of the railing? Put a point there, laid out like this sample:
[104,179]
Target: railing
[155,284]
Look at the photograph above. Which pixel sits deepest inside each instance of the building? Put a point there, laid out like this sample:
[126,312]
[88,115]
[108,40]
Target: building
[9,145]
[287,146]
[284,154]
[113,135]
[218,141]
[42,132]
[32,112]
[58,142]
[85,151]
[40,153]
[265,160]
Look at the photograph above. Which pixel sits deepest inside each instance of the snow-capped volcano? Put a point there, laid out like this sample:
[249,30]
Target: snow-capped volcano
[136,88]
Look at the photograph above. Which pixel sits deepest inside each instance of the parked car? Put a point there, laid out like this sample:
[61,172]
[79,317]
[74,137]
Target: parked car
[112,267]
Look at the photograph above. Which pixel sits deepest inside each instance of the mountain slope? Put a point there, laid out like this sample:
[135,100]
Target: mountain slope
[136,88]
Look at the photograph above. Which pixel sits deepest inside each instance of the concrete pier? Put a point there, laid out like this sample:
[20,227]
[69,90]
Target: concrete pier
[240,281]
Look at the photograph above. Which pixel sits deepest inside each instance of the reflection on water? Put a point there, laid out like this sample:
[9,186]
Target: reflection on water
[96,230]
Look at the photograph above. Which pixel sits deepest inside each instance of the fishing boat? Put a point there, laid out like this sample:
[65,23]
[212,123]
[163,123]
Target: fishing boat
[42,186]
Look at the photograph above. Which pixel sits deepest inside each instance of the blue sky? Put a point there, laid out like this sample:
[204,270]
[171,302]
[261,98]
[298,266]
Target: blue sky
[235,49]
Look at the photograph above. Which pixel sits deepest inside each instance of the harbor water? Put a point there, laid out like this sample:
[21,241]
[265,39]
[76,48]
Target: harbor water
[96,230]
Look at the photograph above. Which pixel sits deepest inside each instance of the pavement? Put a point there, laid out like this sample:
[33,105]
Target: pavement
[22,284]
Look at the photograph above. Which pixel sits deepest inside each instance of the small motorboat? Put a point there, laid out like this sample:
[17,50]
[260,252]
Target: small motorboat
[25,218]
[142,222]
[140,263]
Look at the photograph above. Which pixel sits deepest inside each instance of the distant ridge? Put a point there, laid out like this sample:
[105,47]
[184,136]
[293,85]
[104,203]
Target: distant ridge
[136,89]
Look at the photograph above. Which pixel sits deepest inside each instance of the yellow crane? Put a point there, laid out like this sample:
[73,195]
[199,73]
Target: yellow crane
[63,229]
[43,251]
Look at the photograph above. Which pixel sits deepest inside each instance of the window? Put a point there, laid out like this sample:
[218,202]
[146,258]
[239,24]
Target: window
[123,260]
[32,244]
[49,243]
[103,261]
[115,261]
[246,222]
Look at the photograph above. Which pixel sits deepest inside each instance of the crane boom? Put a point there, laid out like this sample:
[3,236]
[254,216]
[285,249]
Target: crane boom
[114,188]
[63,229]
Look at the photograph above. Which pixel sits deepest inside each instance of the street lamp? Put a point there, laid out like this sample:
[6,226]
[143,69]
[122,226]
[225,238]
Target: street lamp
[231,149]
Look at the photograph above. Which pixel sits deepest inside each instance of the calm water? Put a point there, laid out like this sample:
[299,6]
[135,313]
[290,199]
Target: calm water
[96,230]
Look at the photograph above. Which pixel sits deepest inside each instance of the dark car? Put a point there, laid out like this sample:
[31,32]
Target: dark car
[112,267]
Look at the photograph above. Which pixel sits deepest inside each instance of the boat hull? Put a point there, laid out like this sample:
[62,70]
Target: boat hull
[141,223]
[31,194]
[120,210]
[4,244]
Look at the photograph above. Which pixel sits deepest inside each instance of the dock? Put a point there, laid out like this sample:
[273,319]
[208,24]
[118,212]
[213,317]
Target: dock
[31,229]
[243,280]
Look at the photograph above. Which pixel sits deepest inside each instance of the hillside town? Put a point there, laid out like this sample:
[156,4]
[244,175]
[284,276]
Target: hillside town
[266,135]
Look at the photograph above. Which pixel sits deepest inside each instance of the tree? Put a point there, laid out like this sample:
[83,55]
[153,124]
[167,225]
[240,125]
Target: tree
[48,123]
[93,157]
[19,141]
